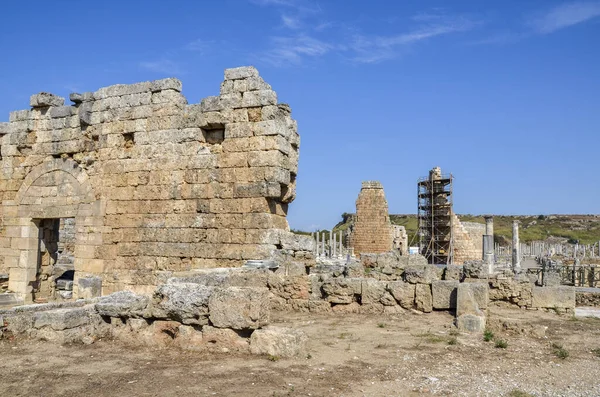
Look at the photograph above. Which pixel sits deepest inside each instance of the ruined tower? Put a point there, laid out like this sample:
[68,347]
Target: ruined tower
[373,231]
[149,184]
[435,217]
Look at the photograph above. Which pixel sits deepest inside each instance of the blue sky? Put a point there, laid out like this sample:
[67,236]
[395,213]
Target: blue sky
[503,94]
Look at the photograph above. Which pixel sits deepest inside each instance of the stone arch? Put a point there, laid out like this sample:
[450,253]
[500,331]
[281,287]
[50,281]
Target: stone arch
[57,188]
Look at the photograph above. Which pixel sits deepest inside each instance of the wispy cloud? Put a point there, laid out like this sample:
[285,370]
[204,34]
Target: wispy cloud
[290,22]
[565,15]
[165,66]
[379,48]
[291,50]
[500,39]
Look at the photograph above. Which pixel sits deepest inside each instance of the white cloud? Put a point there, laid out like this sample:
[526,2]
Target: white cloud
[291,50]
[564,16]
[379,48]
[164,66]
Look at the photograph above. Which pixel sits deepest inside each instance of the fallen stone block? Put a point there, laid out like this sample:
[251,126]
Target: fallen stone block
[444,294]
[423,298]
[562,297]
[61,319]
[239,308]
[278,342]
[184,302]
[469,317]
[470,323]
[122,304]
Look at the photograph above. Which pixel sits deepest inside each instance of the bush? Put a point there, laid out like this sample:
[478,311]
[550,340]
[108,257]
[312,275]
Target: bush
[501,344]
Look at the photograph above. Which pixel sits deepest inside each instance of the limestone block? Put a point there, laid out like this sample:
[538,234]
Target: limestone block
[89,287]
[471,323]
[372,291]
[296,242]
[62,111]
[423,298]
[166,84]
[289,287]
[61,319]
[45,99]
[422,274]
[354,269]
[239,308]
[465,300]
[480,293]
[404,293]
[453,272]
[240,73]
[444,294]
[211,104]
[562,297]
[270,127]
[475,269]
[218,338]
[278,341]
[184,302]
[189,338]
[122,304]
[256,83]
[341,290]
[258,98]
[230,101]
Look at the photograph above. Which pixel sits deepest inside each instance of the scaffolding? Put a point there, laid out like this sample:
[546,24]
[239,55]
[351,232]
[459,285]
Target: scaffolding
[435,215]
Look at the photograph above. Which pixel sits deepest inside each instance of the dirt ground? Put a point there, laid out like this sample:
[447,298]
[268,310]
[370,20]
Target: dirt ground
[348,355]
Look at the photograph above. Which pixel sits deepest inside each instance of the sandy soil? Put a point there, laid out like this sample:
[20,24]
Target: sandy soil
[348,355]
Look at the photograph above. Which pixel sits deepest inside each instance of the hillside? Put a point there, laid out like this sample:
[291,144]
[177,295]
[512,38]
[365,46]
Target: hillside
[585,228]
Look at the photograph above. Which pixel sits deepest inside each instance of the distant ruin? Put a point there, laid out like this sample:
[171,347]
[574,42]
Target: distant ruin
[443,238]
[372,230]
[144,184]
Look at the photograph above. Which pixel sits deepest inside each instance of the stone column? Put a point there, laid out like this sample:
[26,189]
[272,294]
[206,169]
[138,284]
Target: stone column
[323,244]
[317,246]
[341,245]
[333,246]
[489,225]
[516,254]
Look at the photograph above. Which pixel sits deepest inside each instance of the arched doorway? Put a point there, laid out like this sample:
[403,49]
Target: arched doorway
[54,197]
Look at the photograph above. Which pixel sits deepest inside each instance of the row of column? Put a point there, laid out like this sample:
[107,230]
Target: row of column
[540,248]
[334,248]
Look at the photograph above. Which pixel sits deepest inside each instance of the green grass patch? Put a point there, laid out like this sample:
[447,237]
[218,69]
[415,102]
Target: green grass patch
[519,393]
[500,344]
[488,335]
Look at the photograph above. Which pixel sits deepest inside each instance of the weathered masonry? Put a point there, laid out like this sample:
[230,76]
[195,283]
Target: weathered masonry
[373,232]
[148,184]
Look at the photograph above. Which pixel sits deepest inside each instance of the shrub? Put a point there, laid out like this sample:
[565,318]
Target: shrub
[560,351]
[488,335]
[501,344]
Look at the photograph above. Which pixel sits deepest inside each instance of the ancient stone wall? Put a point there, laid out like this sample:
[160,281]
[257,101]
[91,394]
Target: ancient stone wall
[155,185]
[372,231]
[468,240]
